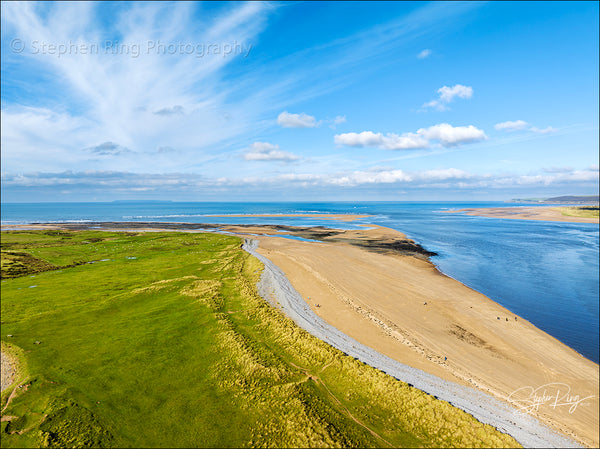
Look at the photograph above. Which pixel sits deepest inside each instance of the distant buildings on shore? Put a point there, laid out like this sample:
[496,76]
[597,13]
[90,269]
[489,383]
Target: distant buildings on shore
[568,199]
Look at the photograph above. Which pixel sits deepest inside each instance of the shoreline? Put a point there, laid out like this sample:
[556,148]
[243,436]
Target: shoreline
[276,289]
[406,309]
[375,295]
[537,213]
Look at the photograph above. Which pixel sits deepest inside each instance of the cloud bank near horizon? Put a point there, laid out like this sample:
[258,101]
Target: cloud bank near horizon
[193,97]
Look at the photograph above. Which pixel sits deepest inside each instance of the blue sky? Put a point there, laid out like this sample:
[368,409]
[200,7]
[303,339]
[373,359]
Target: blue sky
[299,101]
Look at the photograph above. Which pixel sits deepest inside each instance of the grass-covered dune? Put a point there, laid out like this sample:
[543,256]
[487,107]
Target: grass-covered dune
[580,211]
[160,339]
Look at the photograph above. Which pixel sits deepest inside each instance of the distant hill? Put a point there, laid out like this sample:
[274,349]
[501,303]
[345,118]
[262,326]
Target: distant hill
[573,199]
[567,199]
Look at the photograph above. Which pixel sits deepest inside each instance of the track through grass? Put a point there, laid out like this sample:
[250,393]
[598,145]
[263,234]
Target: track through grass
[160,340]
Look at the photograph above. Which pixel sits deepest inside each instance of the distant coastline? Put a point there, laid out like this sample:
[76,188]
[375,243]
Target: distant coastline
[362,282]
[566,199]
[477,252]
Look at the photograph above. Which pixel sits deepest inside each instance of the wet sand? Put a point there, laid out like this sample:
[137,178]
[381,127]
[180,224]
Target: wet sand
[379,288]
[526,213]
[403,307]
[276,289]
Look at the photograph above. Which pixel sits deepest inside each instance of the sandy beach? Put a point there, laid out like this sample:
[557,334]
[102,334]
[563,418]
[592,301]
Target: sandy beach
[526,213]
[403,307]
[379,288]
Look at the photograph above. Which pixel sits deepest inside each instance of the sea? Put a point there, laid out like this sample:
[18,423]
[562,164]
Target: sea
[546,272]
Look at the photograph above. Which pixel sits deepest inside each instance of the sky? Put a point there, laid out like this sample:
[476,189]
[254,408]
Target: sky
[301,101]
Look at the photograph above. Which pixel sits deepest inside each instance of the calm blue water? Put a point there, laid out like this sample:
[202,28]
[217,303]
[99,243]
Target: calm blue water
[546,272]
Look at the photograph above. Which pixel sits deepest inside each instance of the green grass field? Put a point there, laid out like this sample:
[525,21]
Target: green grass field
[580,211]
[160,339]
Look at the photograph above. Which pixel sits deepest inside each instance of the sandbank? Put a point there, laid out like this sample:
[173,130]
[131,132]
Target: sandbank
[544,213]
[403,307]
[378,287]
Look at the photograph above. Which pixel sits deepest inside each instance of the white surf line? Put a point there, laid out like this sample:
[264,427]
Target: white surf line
[275,288]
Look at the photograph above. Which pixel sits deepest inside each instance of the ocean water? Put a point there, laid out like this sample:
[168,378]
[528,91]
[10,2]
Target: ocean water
[546,272]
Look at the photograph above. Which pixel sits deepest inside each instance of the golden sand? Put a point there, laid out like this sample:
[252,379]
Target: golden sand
[526,213]
[405,308]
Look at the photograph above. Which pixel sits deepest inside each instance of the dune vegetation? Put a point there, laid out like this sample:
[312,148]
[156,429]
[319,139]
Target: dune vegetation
[581,211]
[160,339]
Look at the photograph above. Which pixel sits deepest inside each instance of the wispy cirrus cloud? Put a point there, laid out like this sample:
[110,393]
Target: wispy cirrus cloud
[515,125]
[143,98]
[134,90]
[424,53]
[521,125]
[546,130]
[338,121]
[265,151]
[302,120]
[173,110]
[288,120]
[109,149]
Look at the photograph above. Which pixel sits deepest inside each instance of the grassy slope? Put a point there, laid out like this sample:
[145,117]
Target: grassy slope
[175,348]
[580,211]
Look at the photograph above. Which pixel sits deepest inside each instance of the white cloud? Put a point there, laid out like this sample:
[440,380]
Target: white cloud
[265,151]
[142,102]
[173,110]
[189,185]
[109,149]
[368,177]
[106,180]
[390,141]
[450,136]
[448,94]
[187,102]
[558,169]
[446,173]
[547,130]
[288,120]
[447,135]
[520,125]
[406,141]
[424,54]
[336,121]
[363,139]
[436,104]
[516,125]
[39,138]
